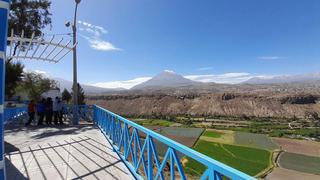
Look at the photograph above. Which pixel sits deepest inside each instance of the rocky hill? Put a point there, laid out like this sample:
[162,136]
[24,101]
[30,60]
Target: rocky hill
[259,103]
[171,94]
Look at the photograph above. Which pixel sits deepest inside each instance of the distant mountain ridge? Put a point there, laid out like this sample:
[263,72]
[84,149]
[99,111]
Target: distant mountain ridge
[166,79]
[300,78]
[88,89]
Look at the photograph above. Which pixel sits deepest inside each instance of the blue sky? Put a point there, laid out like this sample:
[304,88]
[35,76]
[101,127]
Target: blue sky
[123,42]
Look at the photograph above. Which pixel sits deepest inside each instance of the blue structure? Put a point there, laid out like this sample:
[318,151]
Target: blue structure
[137,147]
[140,153]
[4,11]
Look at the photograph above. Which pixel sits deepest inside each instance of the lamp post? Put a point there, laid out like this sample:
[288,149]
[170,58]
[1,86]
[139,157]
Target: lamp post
[75,120]
[4,11]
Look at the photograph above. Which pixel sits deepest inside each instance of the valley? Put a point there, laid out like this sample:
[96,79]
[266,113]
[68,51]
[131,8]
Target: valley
[259,129]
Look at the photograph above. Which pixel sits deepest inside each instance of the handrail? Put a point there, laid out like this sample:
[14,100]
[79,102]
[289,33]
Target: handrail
[115,128]
[14,113]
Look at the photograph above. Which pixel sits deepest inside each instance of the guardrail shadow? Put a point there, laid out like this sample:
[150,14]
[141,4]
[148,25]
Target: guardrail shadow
[74,158]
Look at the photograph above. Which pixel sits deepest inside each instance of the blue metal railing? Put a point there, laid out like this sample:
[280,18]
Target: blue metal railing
[140,154]
[136,146]
[14,113]
[85,112]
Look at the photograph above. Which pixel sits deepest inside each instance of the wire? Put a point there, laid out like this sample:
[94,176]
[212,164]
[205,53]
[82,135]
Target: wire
[62,34]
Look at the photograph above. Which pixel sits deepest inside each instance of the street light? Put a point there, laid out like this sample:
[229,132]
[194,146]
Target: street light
[75,119]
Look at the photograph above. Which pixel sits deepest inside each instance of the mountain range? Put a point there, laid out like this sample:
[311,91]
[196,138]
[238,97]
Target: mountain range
[170,79]
[300,78]
[88,89]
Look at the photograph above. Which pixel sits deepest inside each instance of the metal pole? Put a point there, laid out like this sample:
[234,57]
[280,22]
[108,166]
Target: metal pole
[4,11]
[75,79]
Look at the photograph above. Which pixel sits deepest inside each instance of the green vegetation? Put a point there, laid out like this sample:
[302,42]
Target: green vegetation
[249,160]
[14,75]
[260,141]
[36,84]
[66,96]
[81,96]
[307,132]
[299,162]
[212,134]
[155,122]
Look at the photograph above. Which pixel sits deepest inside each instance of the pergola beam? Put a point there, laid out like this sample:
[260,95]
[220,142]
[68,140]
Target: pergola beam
[44,49]
[36,41]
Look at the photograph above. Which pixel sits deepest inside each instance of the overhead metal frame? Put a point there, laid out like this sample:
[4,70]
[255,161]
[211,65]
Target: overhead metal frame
[45,50]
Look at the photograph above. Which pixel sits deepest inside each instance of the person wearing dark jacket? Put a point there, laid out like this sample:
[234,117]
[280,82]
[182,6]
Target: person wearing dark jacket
[40,111]
[31,112]
[48,111]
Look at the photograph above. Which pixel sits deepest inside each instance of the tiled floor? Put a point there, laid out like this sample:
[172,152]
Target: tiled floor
[61,152]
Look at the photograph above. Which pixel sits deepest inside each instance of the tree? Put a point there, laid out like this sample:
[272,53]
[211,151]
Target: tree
[81,96]
[66,95]
[32,16]
[36,84]
[13,77]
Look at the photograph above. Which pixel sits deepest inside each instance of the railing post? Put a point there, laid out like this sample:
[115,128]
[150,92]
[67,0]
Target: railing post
[95,115]
[150,164]
[4,11]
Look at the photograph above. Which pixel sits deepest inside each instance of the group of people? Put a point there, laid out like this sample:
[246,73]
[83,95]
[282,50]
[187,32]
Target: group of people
[46,109]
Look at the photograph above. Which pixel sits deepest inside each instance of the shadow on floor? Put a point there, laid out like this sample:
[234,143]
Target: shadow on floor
[75,158]
[44,131]
[9,147]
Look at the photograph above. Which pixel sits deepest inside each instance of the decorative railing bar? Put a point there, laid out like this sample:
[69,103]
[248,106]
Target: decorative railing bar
[143,153]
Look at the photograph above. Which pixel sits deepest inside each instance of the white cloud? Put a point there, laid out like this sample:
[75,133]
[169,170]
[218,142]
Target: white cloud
[101,45]
[205,68]
[122,84]
[90,28]
[93,34]
[169,71]
[270,57]
[228,78]
[40,71]
[37,71]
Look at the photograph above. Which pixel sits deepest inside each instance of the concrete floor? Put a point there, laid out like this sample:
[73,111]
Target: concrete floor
[61,152]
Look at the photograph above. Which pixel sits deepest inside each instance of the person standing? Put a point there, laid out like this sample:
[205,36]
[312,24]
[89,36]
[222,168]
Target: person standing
[56,110]
[31,112]
[60,109]
[40,111]
[48,108]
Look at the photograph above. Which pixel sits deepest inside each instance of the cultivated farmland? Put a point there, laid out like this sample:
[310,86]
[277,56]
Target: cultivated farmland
[249,160]
[299,162]
[186,132]
[260,141]
[213,134]
[305,147]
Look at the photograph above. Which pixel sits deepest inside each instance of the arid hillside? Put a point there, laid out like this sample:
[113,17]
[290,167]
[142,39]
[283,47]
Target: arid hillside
[227,101]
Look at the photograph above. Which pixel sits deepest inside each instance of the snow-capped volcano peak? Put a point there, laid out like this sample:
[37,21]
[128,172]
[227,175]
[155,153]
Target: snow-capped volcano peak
[166,78]
[169,71]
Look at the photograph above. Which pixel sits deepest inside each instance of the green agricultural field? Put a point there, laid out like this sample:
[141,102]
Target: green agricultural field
[299,162]
[246,159]
[155,122]
[213,134]
[260,141]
